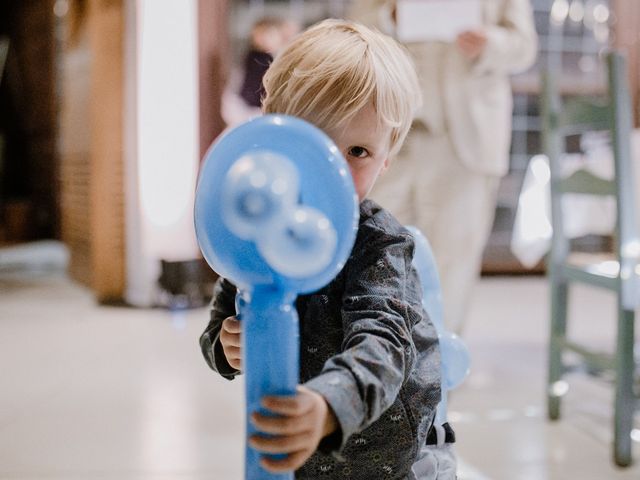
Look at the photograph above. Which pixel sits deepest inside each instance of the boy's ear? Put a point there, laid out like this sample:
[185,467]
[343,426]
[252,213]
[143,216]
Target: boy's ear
[385,165]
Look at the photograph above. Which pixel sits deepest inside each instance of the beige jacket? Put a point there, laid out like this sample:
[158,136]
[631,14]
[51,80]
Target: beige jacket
[476,95]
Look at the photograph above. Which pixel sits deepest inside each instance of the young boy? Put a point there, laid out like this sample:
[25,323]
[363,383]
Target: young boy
[369,358]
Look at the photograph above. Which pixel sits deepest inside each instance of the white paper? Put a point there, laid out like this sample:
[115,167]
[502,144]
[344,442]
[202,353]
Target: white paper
[436,20]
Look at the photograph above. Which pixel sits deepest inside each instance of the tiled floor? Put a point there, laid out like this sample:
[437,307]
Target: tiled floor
[90,392]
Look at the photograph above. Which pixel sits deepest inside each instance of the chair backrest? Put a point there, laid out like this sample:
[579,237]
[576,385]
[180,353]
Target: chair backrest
[610,112]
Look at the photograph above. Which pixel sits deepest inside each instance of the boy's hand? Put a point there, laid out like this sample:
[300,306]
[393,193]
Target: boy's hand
[230,340]
[304,420]
[472,43]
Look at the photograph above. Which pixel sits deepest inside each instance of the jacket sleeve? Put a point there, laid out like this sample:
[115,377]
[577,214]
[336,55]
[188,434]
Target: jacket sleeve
[222,306]
[378,352]
[512,43]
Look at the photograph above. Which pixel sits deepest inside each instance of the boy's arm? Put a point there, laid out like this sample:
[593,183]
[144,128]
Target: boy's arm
[379,311]
[223,306]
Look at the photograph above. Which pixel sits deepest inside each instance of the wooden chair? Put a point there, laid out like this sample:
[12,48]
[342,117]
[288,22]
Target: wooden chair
[578,115]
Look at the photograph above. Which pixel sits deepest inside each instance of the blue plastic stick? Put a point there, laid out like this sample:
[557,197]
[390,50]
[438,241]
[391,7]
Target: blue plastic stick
[271,359]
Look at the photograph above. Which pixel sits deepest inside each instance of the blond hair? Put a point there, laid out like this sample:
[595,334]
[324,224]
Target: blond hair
[335,68]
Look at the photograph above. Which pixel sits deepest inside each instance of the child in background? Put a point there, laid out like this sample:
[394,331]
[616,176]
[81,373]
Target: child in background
[243,99]
[369,357]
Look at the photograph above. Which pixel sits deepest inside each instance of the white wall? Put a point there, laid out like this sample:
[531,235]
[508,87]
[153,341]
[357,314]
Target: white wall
[161,139]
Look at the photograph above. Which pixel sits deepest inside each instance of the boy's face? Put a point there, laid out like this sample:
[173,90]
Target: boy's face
[365,145]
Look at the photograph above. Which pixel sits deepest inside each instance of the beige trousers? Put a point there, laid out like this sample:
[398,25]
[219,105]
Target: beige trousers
[454,207]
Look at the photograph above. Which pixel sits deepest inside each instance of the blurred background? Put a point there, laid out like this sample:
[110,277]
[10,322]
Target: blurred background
[106,110]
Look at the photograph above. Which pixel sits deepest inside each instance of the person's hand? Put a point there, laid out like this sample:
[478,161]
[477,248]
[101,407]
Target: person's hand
[472,43]
[230,340]
[303,421]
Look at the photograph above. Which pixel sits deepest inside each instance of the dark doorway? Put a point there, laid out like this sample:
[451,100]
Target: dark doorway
[28,176]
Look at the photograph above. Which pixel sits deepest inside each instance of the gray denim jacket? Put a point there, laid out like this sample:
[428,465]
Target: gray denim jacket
[369,348]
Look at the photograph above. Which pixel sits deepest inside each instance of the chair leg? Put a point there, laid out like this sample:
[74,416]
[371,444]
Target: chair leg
[559,300]
[624,397]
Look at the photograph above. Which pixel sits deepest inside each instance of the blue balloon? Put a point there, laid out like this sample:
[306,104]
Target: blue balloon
[325,184]
[455,359]
[259,189]
[276,212]
[302,245]
[425,264]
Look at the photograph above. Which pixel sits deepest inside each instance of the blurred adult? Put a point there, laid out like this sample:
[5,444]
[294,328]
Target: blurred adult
[447,175]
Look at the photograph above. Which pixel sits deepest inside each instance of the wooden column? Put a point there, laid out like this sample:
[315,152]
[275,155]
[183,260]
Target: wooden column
[626,37]
[106,37]
[91,146]
[74,141]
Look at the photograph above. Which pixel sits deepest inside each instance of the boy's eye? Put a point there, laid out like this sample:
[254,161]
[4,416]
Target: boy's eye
[358,152]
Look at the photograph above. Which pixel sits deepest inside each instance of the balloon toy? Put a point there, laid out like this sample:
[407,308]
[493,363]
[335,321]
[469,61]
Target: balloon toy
[454,354]
[276,213]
